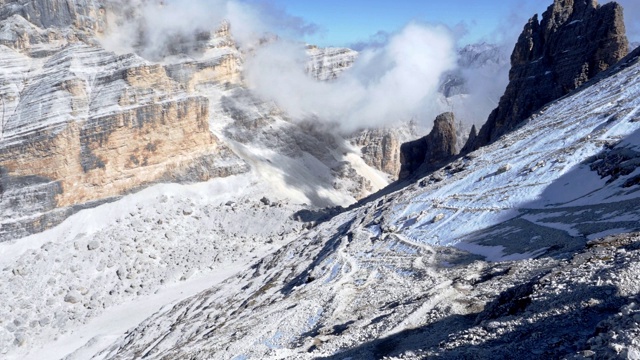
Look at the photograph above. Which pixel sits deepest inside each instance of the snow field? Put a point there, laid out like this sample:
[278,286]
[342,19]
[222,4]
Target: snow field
[131,249]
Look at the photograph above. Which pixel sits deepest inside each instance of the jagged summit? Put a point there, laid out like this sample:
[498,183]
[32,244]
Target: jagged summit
[573,42]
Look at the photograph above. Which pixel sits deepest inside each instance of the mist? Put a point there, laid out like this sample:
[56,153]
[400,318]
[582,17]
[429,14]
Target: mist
[155,29]
[485,83]
[390,83]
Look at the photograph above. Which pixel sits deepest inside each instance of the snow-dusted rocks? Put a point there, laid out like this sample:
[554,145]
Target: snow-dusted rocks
[488,256]
[81,14]
[328,63]
[135,252]
[90,125]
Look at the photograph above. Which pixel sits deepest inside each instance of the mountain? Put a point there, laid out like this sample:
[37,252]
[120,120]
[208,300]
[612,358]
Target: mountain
[114,246]
[83,125]
[328,63]
[499,254]
[573,42]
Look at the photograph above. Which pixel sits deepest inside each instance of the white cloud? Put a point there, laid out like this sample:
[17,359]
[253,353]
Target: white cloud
[152,28]
[390,83]
[395,81]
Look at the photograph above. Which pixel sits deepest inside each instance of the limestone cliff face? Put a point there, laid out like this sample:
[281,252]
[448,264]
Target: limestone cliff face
[81,125]
[380,149]
[431,151]
[574,41]
[81,14]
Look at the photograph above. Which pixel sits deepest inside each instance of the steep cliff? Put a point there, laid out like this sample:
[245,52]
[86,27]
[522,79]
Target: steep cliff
[433,150]
[574,41]
[80,14]
[380,148]
[81,125]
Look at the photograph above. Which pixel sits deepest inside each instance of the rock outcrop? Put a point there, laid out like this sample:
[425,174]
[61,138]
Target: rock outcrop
[380,149]
[328,63]
[574,41]
[80,14]
[431,151]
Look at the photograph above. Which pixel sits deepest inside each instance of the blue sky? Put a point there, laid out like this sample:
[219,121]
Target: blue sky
[345,22]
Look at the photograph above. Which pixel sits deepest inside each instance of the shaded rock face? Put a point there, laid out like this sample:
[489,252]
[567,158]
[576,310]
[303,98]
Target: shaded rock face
[574,41]
[432,150]
[380,149]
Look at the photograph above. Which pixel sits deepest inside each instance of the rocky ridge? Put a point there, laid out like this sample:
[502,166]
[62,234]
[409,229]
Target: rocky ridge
[573,42]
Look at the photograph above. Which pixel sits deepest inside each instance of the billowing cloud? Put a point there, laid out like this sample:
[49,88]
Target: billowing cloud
[153,28]
[388,84]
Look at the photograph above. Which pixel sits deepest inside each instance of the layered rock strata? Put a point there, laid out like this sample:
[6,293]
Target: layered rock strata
[328,63]
[81,125]
[574,41]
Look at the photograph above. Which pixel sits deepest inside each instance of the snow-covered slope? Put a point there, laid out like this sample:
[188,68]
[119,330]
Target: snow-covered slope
[102,268]
[407,274]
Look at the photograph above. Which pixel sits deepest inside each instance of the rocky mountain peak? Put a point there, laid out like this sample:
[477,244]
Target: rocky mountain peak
[432,150]
[574,41]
